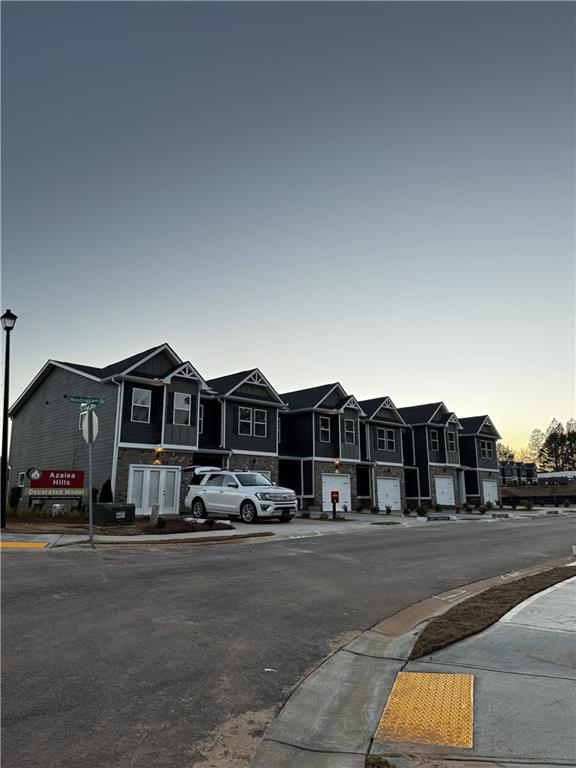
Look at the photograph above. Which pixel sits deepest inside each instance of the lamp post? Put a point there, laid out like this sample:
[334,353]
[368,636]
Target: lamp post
[8,320]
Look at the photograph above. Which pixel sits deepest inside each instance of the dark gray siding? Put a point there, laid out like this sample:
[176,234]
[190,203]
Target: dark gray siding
[347,450]
[211,435]
[471,481]
[256,392]
[175,434]
[379,455]
[296,434]
[436,456]
[333,399]
[158,366]
[452,457]
[487,463]
[308,478]
[245,442]
[387,414]
[330,450]
[137,432]
[363,443]
[408,446]
[467,453]
[45,431]
[420,438]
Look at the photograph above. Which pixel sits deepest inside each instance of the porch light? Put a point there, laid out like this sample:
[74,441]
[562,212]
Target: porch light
[158,453]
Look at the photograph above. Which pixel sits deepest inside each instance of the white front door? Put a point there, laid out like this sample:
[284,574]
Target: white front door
[149,485]
[340,483]
[490,491]
[445,491]
[388,489]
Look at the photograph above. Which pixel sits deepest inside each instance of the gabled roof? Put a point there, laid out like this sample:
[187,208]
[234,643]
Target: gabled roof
[350,402]
[307,399]
[472,425]
[372,406]
[227,385]
[419,414]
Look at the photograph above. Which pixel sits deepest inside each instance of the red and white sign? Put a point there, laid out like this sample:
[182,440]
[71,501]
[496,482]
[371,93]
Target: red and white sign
[334,497]
[57,482]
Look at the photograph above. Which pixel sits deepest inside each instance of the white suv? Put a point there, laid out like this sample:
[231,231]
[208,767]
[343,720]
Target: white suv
[248,495]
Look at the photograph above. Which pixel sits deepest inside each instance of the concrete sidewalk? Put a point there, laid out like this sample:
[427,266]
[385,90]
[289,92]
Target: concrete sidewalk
[505,697]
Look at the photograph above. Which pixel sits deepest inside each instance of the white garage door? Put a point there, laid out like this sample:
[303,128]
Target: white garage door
[388,493]
[445,491]
[340,483]
[490,489]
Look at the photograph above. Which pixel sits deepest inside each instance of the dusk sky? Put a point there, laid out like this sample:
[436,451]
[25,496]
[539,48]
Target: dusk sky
[376,193]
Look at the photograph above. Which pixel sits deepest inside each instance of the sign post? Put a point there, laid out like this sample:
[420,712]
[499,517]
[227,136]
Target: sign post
[89,432]
[335,498]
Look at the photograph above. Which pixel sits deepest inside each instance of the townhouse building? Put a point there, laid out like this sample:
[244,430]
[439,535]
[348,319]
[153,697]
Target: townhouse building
[477,440]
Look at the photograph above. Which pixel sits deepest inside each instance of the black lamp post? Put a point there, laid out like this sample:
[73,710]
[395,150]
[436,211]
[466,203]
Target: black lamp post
[8,322]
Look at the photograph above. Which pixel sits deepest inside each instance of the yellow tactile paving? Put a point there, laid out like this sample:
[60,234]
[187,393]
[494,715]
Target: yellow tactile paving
[429,708]
[22,544]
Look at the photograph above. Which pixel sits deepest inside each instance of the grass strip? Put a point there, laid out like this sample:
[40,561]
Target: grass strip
[481,611]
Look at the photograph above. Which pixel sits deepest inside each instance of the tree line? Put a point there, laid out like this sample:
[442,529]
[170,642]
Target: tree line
[552,451]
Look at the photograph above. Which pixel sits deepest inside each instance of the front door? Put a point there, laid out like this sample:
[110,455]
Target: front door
[149,485]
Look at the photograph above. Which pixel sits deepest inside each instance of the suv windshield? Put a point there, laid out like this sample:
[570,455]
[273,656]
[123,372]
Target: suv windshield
[253,478]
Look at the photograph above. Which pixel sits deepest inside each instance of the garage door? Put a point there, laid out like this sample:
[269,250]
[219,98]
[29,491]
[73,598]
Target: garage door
[490,491]
[445,491]
[389,493]
[340,483]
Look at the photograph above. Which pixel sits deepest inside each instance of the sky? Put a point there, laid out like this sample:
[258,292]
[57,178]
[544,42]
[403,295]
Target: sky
[380,194]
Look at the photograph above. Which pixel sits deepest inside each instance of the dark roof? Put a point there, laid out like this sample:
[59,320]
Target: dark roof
[472,424]
[114,368]
[223,384]
[418,414]
[371,406]
[307,398]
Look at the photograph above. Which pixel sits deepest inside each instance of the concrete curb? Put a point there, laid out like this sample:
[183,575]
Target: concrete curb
[330,718]
[168,539]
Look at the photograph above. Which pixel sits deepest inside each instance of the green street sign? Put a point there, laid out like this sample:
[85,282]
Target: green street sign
[86,400]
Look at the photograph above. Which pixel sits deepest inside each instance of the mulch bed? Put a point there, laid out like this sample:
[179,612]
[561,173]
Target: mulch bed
[75,525]
[482,610]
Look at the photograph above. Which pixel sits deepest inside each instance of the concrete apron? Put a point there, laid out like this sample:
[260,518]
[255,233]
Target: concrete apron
[330,719]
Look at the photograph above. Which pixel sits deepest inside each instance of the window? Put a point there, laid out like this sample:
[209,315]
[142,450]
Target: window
[201,420]
[182,409]
[325,435]
[245,421]
[349,431]
[21,479]
[451,441]
[390,440]
[486,450]
[381,438]
[260,423]
[141,405]
[253,478]
[434,443]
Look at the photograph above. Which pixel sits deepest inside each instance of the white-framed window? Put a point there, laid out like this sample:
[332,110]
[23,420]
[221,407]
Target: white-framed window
[486,450]
[260,422]
[325,431]
[141,405]
[21,479]
[390,440]
[434,442]
[451,441]
[350,431]
[381,438]
[182,409]
[201,419]
[245,421]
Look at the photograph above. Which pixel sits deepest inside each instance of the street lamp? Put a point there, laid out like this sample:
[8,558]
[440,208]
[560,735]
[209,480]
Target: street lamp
[8,320]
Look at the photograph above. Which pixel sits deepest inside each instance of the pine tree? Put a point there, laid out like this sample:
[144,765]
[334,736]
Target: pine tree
[504,453]
[551,457]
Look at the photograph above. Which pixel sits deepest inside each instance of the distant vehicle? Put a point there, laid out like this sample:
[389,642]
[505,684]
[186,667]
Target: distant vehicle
[247,495]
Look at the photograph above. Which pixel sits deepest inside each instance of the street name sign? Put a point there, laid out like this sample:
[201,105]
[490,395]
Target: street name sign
[85,400]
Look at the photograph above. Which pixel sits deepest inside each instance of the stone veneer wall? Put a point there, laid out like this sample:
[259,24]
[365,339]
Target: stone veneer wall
[255,464]
[128,456]
[381,470]
[445,472]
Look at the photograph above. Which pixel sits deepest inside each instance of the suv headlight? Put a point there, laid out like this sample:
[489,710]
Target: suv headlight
[265,496]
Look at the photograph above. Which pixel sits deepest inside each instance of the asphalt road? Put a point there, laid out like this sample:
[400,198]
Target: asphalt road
[160,658]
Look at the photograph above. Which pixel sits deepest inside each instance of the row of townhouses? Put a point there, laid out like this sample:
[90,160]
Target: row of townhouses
[160,417]
[518,473]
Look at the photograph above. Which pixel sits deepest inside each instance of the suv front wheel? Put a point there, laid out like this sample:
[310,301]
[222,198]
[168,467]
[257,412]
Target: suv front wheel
[198,509]
[248,512]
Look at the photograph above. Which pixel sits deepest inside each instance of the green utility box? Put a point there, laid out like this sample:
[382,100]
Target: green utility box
[114,514]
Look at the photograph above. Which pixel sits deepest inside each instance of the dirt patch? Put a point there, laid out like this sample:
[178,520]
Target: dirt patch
[65,525]
[387,522]
[234,743]
[482,610]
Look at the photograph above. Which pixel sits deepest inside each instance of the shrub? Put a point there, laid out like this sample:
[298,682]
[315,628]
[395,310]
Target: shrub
[14,497]
[324,515]
[489,505]
[388,509]
[437,507]
[421,511]
[482,509]
[106,495]
[527,504]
